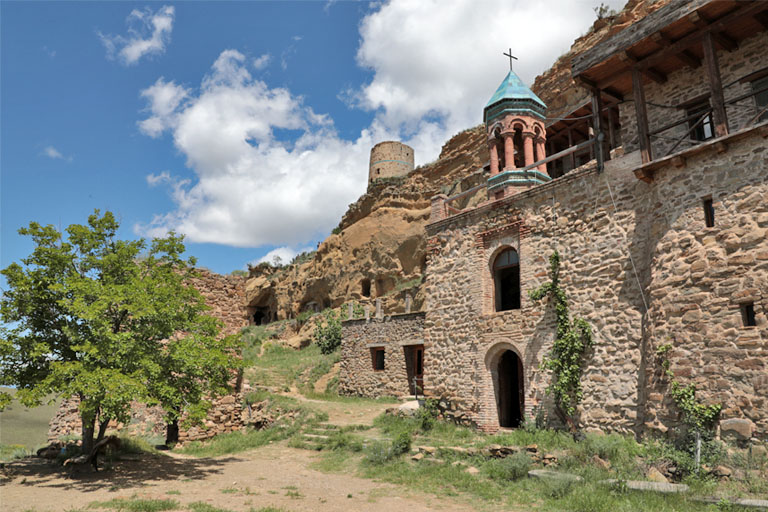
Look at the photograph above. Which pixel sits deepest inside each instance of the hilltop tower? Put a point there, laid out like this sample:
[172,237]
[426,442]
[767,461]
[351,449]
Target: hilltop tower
[390,159]
[514,121]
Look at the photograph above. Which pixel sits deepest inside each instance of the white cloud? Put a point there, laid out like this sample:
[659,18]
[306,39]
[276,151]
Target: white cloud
[285,255]
[148,34]
[431,78]
[54,154]
[433,75]
[164,99]
[252,188]
[262,62]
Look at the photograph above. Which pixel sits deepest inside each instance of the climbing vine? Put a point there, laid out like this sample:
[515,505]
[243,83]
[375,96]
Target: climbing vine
[573,339]
[695,415]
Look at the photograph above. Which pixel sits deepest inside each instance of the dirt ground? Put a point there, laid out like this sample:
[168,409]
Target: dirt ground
[274,475]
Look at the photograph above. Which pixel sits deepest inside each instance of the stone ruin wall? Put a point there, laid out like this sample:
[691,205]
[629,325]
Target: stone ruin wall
[226,297]
[686,84]
[692,276]
[357,375]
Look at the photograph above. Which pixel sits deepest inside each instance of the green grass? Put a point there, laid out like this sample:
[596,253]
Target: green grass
[282,367]
[137,505]
[25,426]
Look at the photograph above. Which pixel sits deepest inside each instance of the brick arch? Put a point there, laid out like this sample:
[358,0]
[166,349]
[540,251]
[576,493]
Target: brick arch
[508,384]
[498,251]
[493,354]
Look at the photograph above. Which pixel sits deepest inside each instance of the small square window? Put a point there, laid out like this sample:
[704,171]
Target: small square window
[709,212]
[378,358]
[748,314]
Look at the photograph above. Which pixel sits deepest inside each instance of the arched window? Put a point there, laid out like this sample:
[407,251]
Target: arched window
[506,278]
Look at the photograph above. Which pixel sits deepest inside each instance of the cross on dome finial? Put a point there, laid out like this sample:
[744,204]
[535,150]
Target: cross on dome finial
[510,58]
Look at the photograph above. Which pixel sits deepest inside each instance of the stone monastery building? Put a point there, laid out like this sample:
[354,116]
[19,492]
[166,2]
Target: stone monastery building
[655,194]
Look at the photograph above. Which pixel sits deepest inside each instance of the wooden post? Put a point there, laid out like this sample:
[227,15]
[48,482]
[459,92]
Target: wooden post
[642,116]
[572,156]
[611,131]
[597,122]
[715,87]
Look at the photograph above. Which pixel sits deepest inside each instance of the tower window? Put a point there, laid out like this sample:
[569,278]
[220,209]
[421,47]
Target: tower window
[378,358]
[748,314]
[506,278]
[709,212]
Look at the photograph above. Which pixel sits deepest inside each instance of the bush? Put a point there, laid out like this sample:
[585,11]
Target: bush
[427,414]
[514,467]
[327,333]
[402,443]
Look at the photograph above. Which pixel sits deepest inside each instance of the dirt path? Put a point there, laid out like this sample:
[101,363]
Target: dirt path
[274,475]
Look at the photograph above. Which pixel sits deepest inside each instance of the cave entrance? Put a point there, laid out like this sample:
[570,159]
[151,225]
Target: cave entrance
[510,393]
[261,315]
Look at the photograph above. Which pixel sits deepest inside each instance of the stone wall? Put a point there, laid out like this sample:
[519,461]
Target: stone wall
[225,295]
[686,84]
[624,244]
[360,338]
[225,416]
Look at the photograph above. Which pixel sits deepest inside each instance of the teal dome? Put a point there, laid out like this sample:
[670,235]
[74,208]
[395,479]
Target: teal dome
[513,97]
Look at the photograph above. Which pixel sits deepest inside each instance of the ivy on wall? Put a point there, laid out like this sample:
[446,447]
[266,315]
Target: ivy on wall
[574,338]
[697,416]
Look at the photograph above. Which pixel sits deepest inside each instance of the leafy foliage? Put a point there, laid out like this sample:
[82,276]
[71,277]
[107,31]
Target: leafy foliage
[102,319]
[509,468]
[303,257]
[327,333]
[572,341]
[695,414]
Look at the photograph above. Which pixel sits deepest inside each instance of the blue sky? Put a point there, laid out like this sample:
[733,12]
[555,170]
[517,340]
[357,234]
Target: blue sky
[244,125]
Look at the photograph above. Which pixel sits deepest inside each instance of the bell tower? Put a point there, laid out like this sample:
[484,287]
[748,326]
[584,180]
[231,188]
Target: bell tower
[514,121]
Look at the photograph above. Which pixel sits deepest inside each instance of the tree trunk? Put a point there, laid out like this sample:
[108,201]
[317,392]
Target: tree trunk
[102,429]
[172,433]
[88,431]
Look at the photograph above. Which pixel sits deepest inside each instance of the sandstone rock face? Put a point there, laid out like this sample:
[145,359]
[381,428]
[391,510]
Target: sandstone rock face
[379,251]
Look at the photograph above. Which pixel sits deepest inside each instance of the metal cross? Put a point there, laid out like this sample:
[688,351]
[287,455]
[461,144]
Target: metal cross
[510,58]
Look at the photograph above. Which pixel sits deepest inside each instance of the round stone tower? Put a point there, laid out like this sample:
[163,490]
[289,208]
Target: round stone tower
[390,159]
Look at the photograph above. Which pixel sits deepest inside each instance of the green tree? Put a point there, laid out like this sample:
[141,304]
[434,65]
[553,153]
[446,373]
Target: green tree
[110,321]
[327,332]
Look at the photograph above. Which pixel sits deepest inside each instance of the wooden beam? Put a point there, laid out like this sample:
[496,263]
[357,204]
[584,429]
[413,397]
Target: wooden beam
[654,74]
[636,32]
[642,117]
[715,87]
[744,9]
[725,42]
[683,56]
[614,95]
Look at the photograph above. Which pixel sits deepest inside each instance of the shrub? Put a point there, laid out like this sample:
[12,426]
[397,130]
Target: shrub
[427,414]
[378,453]
[327,333]
[514,467]
[402,443]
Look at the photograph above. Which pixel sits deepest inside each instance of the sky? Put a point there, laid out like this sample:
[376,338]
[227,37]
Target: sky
[245,126]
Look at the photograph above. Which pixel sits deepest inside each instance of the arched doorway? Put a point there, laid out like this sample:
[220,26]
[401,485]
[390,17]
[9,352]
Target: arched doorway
[510,393]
